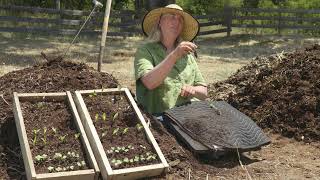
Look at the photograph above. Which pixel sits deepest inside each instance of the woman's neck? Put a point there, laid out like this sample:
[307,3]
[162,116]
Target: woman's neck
[168,43]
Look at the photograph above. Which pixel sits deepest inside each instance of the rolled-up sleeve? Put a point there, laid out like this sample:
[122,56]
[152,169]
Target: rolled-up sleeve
[142,62]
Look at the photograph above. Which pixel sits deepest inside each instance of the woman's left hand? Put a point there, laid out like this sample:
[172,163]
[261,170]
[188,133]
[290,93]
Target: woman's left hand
[187,91]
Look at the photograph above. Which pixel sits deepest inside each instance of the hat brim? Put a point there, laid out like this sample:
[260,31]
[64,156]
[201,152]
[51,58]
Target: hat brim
[190,24]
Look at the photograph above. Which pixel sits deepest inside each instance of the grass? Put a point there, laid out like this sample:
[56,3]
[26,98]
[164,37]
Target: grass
[219,56]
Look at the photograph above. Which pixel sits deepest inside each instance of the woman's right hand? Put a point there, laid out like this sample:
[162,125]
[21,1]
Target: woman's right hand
[184,48]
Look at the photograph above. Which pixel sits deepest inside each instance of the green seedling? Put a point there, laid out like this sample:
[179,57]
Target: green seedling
[96,117]
[57,156]
[50,169]
[142,158]
[139,127]
[35,133]
[143,146]
[109,151]
[40,105]
[77,135]
[113,161]
[73,155]
[115,116]
[118,162]
[126,160]
[44,139]
[94,94]
[58,169]
[71,167]
[117,150]
[81,164]
[104,134]
[63,138]
[130,147]
[104,116]
[40,158]
[54,130]
[136,159]
[115,131]
[125,131]
[131,160]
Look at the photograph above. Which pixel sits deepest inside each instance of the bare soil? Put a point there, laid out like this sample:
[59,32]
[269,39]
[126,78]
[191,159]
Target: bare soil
[56,133]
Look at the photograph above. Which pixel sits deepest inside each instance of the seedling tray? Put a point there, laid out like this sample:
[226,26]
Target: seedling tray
[98,113]
[35,102]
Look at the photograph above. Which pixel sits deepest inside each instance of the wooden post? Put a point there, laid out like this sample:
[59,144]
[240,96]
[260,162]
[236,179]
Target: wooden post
[279,23]
[228,19]
[104,32]
[58,4]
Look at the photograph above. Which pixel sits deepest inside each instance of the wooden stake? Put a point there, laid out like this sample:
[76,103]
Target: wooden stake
[104,32]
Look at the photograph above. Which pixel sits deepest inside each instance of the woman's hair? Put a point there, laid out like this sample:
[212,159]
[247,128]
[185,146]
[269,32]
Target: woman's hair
[155,35]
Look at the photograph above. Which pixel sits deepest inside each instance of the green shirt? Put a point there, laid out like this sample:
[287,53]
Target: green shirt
[166,95]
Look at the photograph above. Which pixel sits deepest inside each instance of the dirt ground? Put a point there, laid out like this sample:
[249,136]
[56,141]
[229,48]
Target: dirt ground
[219,57]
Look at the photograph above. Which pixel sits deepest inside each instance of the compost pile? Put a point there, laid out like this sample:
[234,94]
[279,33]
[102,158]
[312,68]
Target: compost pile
[280,92]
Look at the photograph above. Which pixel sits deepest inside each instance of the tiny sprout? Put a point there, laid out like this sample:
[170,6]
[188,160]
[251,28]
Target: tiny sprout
[54,130]
[104,134]
[40,104]
[115,116]
[113,161]
[50,169]
[40,158]
[115,131]
[96,117]
[142,158]
[143,147]
[57,156]
[130,147]
[58,169]
[126,160]
[93,94]
[71,167]
[77,135]
[136,158]
[139,127]
[63,138]
[35,132]
[104,116]
[125,130]
[64,157]
[44,141]
[109,151]
[131,160]
[119,148]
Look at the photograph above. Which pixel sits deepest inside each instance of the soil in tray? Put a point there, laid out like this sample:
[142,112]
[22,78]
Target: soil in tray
[57,145]
[120,131]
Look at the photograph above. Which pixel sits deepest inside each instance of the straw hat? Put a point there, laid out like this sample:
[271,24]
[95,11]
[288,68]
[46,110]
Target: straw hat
[190,25]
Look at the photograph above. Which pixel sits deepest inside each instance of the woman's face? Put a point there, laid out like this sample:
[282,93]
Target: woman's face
[171,24]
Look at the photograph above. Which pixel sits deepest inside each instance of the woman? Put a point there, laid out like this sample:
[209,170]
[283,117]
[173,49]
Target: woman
[166,72]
